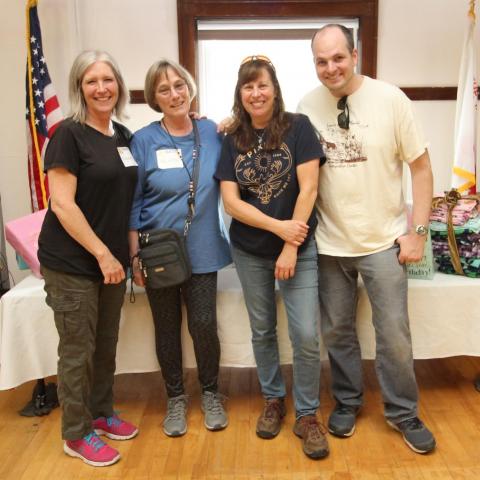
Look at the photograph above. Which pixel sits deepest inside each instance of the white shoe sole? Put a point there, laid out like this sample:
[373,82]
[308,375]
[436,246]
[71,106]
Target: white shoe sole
[343,435]
[73,453]
[415,449]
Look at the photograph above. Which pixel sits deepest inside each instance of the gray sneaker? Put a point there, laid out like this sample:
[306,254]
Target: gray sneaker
[341,422]
[416,435]
[212,406]
[175,423]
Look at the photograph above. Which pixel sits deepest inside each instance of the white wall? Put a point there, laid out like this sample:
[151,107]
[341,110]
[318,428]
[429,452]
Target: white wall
[419,44]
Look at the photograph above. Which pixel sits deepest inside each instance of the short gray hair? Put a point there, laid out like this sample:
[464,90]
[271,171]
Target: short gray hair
[78,107]
[160,68]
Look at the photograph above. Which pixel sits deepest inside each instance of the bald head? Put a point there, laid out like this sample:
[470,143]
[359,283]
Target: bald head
[335,60]
[347,33]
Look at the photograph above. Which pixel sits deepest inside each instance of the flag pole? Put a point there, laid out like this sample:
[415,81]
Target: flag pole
[31,4]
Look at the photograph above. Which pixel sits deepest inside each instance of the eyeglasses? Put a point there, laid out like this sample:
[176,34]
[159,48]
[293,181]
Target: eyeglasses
[255,58]
[343,118]
[166,91]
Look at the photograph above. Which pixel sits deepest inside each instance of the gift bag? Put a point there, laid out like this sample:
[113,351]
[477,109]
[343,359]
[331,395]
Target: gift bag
[22,234]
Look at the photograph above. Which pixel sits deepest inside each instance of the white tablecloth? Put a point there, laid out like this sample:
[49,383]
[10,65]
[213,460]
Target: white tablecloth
[444,317]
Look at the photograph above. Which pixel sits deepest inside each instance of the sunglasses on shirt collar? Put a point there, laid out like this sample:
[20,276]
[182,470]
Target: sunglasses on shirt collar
[343,118]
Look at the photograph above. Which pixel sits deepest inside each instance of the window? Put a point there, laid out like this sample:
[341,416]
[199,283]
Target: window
[192,12]
[222,44]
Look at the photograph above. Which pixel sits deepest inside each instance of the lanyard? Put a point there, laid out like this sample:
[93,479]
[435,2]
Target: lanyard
[193,177]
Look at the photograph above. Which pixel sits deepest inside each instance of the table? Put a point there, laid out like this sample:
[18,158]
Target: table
[444,317]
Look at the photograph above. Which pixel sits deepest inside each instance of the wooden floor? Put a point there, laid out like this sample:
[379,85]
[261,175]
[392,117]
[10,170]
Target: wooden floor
[30,448]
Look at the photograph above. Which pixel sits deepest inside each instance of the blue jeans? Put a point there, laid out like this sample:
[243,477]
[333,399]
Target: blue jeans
[386,284]
[301,303]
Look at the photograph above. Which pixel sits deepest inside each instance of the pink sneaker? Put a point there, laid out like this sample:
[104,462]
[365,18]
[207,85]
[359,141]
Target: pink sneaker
[92,450]
[114,427]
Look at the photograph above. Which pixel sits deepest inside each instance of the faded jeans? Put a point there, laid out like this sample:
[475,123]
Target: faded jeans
[387,288]
[301,303]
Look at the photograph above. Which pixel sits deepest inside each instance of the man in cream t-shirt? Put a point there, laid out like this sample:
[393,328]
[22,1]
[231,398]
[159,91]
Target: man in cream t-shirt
[368,132]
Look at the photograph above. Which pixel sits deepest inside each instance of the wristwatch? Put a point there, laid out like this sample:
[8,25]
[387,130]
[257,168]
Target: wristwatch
[421,230]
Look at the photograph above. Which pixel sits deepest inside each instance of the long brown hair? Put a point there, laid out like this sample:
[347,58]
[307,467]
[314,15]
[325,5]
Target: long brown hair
[241,128]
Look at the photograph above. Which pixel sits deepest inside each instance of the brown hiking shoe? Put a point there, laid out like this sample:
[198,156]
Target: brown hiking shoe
[312,433]
[270,421]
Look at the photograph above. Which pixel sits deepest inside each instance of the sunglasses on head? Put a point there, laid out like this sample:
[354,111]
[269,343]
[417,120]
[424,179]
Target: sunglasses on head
[343,118]
[255,58]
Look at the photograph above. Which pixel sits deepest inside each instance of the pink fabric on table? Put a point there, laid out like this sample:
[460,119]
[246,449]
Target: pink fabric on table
[22,234]
[463,211]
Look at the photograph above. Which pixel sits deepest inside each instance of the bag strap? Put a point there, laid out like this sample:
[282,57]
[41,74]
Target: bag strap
[132,293]
[192,186]
[450,199]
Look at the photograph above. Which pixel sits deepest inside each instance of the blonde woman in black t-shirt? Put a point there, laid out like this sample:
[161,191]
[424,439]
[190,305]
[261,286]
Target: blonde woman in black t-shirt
[83,251]
[269,175]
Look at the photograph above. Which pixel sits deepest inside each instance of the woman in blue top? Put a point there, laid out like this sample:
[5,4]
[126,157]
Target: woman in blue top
[164,152]
[269,175]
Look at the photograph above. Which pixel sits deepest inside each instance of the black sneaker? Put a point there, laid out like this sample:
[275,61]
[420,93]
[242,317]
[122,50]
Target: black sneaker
[416,435]
[341,422]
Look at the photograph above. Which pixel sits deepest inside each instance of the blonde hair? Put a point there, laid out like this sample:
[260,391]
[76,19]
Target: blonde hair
[78,107]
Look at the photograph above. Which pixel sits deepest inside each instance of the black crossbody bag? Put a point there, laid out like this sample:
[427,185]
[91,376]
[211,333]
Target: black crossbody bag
[163,256]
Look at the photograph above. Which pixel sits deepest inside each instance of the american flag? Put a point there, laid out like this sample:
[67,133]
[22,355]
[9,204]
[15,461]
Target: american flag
[43,110]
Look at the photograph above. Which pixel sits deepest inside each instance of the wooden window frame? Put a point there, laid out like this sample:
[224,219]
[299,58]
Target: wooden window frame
[189,12]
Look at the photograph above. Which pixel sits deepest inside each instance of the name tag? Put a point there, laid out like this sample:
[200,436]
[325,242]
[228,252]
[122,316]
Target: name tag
[126,156]
[169,158]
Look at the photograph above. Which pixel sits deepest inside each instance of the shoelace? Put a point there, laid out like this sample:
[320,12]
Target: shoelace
[114,420]
[345,409]
[273,409]
[94,441]
[214,403]
[313,428]
[411,424]
[176,407]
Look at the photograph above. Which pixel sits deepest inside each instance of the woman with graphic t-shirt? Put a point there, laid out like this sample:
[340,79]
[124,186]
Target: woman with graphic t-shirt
[83,252]
[269,170]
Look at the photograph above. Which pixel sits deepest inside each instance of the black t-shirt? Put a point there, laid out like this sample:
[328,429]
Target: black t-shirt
[105,188]
[268,181]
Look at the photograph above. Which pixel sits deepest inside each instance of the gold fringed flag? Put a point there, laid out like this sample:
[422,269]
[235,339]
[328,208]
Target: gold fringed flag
[463,178]
[43,110]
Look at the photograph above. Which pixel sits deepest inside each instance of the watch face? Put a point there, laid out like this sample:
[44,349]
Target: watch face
[421,229]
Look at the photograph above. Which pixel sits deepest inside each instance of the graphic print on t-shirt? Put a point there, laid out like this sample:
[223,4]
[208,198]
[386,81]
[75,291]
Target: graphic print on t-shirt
[343,149]
[264,173]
